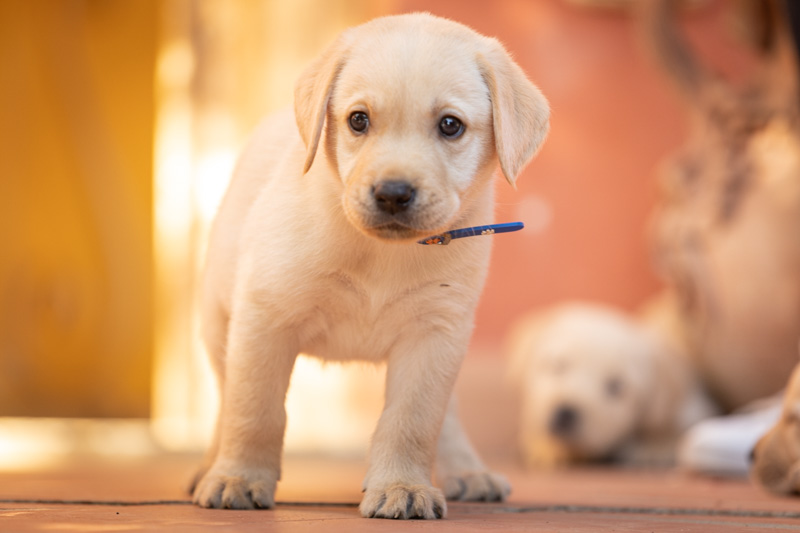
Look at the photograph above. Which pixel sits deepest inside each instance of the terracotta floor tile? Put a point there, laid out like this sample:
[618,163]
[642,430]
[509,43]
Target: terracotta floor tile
[572,500]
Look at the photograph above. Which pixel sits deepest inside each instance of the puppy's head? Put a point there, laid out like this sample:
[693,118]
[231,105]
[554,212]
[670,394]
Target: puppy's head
[587,378]
[415,111]
[776,456]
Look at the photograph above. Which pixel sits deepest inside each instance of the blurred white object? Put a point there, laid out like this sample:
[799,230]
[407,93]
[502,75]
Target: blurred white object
[722,445]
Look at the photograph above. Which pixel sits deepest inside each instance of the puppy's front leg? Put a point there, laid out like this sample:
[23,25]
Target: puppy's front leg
[419,380]
[258,366]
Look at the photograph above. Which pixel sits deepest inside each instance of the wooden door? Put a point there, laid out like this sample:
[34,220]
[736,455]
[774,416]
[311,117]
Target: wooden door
[76,129]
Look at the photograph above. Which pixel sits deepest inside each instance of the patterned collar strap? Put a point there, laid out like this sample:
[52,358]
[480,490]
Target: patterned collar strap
[491,229]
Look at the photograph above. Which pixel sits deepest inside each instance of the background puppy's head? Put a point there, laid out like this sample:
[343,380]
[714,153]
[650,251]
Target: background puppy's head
[588,380]
[416,111]
[776,456]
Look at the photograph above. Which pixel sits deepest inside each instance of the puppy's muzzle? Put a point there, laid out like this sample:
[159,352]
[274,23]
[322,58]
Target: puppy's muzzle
[564,421]
[393,196]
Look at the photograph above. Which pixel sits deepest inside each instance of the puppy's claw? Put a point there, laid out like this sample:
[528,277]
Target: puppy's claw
[380,506]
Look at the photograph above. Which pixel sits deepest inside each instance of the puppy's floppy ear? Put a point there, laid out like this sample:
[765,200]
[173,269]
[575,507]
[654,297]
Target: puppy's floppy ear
[522,346]
[312,94]
[666,381]
[520,112]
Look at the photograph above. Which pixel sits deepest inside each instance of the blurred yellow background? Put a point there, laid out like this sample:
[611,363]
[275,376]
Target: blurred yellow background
[76,147]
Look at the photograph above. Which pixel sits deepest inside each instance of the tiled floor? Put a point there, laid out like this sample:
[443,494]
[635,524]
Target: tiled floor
[145,495]
[90,493]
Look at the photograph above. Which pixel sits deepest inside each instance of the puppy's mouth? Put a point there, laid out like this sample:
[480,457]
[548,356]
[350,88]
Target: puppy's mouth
[411,223]
[394,230]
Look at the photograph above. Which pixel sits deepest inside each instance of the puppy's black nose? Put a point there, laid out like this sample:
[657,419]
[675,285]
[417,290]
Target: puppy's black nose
[393,196]
[564,421]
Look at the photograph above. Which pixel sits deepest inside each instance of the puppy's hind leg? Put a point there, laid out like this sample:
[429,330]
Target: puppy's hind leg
[215,334]
[460,471]
[208,460]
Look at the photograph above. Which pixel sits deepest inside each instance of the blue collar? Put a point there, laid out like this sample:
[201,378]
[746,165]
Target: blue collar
[491,229]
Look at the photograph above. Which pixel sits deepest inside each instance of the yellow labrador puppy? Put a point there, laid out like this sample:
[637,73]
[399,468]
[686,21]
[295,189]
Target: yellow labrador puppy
[599,384]
[400,125]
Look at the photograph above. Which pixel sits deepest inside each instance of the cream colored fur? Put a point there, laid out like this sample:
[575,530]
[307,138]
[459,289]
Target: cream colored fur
[302,260]
[630,393]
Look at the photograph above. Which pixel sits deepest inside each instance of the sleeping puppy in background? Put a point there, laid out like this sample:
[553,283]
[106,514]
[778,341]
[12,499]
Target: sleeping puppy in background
[598,385]
[776,456]
[397,130]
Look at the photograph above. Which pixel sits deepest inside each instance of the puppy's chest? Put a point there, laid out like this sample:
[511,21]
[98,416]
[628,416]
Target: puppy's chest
[363,320]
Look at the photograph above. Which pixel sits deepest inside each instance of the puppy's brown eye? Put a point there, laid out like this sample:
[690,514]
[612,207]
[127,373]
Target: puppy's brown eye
[451,127]
[359,122]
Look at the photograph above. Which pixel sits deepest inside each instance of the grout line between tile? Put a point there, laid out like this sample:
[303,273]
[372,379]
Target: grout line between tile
[142,503]
[676,511]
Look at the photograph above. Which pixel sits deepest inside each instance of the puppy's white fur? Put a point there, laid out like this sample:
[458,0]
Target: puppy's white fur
[301,259]
[626,392]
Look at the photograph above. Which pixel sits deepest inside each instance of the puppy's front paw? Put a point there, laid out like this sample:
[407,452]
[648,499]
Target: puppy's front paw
[236,488]
[477,487]
[403,502]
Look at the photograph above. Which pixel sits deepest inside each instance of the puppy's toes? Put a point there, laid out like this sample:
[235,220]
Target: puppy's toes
[477,487]
[404,502]
[194,481]
[239,488]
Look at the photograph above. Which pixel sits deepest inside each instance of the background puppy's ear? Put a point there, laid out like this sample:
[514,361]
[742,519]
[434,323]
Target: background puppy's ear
[312,93]
[520,111]
[522,345]
[666,384]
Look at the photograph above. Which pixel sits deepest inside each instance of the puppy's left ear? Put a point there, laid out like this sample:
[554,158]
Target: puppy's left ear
[313,92]
[520,112]
[521,347]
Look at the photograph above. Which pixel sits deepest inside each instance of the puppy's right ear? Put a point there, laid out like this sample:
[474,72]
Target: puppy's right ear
[312,94]
[521,347]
